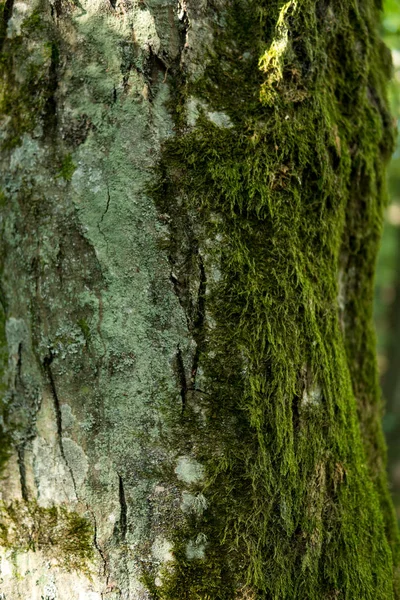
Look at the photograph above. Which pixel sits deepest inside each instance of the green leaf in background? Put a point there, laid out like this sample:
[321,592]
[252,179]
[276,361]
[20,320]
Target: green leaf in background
[387,293]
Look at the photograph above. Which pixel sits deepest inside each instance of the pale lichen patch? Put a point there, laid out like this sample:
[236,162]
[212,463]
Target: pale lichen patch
[189,470]
[196,549]
[220,119]
[145,32]
[162,550]
[312,396]
[193,503]
[21,10]
[195,107]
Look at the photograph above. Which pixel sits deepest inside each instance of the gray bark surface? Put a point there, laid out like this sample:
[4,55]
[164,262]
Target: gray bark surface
[93,324]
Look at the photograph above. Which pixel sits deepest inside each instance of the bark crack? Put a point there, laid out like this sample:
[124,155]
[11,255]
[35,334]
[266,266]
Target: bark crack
[98,547]
[183,17]
[6,16]
[99,224]
[124,509]
[50,107]
[196,326]
[22,472]
[47,361]
[194,310]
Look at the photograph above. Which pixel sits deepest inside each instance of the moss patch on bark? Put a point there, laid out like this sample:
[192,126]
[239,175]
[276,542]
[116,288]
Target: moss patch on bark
[63,536]
[280,179]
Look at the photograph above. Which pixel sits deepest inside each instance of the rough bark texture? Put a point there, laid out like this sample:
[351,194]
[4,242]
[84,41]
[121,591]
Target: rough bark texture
[191,206]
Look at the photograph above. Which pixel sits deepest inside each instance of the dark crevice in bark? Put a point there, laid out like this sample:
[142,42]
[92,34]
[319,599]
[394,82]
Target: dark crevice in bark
[47,361]
[50,108]
[22,472]
[113,3]
[56,8]
[296,413]
[195,323]
[123,509]
[183,31]
[125,82]
[102,217]
[107,205]
[5,17]
[60,259]
[182,377]
[154,66]
[187,265]
[19,362]
[98,547]
[3,300]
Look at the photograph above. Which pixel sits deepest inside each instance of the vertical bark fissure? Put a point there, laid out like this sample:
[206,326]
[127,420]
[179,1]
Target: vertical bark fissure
[50,107]
[184,28]
[22,472]
[105,573]
[182,377]
[123,520]
[5,17]
[99,224]
[47,362]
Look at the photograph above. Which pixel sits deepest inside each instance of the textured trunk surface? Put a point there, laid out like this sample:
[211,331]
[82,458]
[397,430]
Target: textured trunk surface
[191,204]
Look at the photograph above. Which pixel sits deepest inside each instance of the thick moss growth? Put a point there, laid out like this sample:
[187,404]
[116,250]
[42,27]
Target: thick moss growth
[60,534]
[68,168]
[281,183]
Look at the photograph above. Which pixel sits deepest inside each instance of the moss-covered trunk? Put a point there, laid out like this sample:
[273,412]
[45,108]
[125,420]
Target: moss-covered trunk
[192,195]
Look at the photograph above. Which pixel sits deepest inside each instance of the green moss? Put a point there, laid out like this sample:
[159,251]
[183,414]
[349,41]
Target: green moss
[84,326]
[57,532]
[186,581]
[68,168]
[34,22]
[287,204]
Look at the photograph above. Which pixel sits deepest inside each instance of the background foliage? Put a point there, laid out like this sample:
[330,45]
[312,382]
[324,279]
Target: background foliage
[387,300]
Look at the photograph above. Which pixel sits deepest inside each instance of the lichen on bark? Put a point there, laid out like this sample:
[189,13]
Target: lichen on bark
[89,306]
[192,206]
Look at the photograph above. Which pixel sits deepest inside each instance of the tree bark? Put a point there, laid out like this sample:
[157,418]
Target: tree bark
[191,206]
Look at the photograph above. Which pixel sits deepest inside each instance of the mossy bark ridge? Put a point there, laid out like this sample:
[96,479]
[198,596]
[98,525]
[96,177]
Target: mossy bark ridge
[193,352]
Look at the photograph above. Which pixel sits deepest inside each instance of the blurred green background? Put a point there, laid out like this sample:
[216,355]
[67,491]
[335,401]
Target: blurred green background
[387,291]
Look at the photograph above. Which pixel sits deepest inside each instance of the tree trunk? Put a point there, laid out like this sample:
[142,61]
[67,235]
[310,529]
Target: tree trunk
[191,206]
